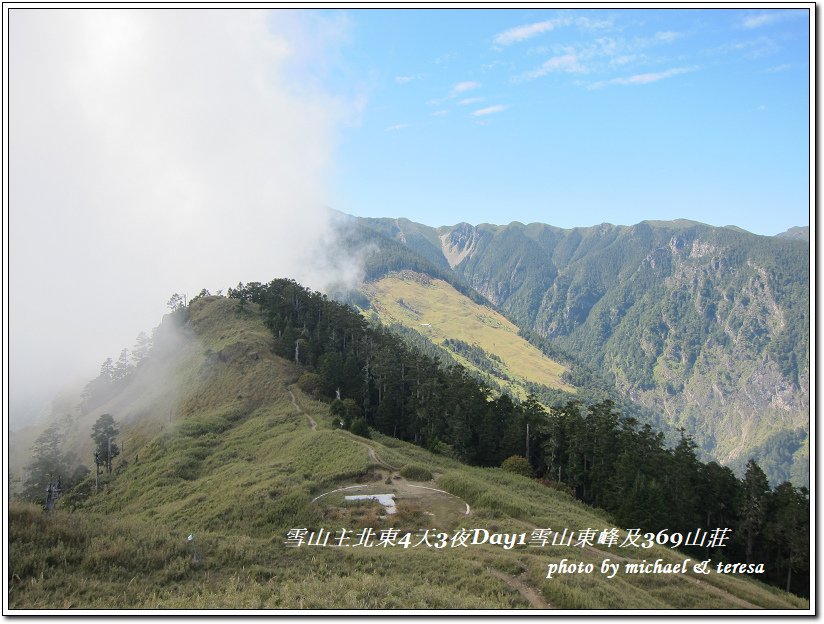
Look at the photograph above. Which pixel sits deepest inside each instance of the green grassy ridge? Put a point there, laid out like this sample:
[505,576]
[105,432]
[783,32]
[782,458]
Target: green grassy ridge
[239,468]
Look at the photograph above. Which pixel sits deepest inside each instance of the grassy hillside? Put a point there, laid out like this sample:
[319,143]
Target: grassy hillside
[247,457]
[438,311]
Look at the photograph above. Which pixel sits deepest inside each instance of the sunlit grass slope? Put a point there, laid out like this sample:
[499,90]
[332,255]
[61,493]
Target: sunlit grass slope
[438,311]
[240,465]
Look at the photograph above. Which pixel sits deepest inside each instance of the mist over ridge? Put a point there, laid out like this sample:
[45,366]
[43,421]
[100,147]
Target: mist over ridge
[158,152]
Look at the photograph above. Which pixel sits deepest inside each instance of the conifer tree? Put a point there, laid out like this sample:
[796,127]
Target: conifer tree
[104,432]
[48,463]
[753,506]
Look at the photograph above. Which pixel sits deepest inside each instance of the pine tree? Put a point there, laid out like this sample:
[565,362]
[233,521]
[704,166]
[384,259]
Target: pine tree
[753,506]
[682,483]
[338,412]
[103,433]
[787,531]
[48,464]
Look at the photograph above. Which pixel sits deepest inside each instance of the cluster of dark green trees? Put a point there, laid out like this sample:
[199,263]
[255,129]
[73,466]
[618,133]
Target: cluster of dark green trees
[114,375]
[611,461]
[603,458]
[51,463]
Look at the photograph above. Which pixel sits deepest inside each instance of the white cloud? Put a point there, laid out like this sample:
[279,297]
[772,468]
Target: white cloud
[440,113]
[490,110]
[600,53]
[159,151]
[779,68]
[588,23]
[457,89]
[639,79]
[522,33]
[625,59]
[762,19]
[463,87]
[487,67]
[758,20]
[472,100]
[667,36]
[568,63]
[396,127]
[758,47]
[401,80]
[651,77]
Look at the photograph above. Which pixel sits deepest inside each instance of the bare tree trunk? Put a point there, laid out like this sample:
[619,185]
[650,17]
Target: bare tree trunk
[527,441]
[789,572]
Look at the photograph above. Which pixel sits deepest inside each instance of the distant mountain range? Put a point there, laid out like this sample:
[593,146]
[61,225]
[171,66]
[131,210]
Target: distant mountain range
[706,326]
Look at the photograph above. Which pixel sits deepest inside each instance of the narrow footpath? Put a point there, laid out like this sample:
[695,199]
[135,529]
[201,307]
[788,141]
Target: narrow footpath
[312,422]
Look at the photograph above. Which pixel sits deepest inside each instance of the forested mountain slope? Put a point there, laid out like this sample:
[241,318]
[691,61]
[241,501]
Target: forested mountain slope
[708,326]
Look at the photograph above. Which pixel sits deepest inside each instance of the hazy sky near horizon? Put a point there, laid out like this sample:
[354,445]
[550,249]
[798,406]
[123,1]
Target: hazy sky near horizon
[578,117]
[162,151]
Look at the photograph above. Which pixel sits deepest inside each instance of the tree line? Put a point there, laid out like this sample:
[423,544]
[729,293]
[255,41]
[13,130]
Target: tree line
[598,455]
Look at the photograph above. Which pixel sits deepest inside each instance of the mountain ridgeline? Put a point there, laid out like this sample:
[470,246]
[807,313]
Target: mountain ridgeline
[706,326]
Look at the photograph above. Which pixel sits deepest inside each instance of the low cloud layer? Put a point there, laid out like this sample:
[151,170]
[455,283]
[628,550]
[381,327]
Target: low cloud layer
[154,152]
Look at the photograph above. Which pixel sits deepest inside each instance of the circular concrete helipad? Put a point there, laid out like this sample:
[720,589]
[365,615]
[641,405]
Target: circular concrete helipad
[397,503]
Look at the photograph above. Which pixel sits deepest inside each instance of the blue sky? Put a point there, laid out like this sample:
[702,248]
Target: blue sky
[574,117]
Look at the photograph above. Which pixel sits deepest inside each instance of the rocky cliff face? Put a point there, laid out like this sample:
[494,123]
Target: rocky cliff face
[708,325]
[458,243]
[712,346]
